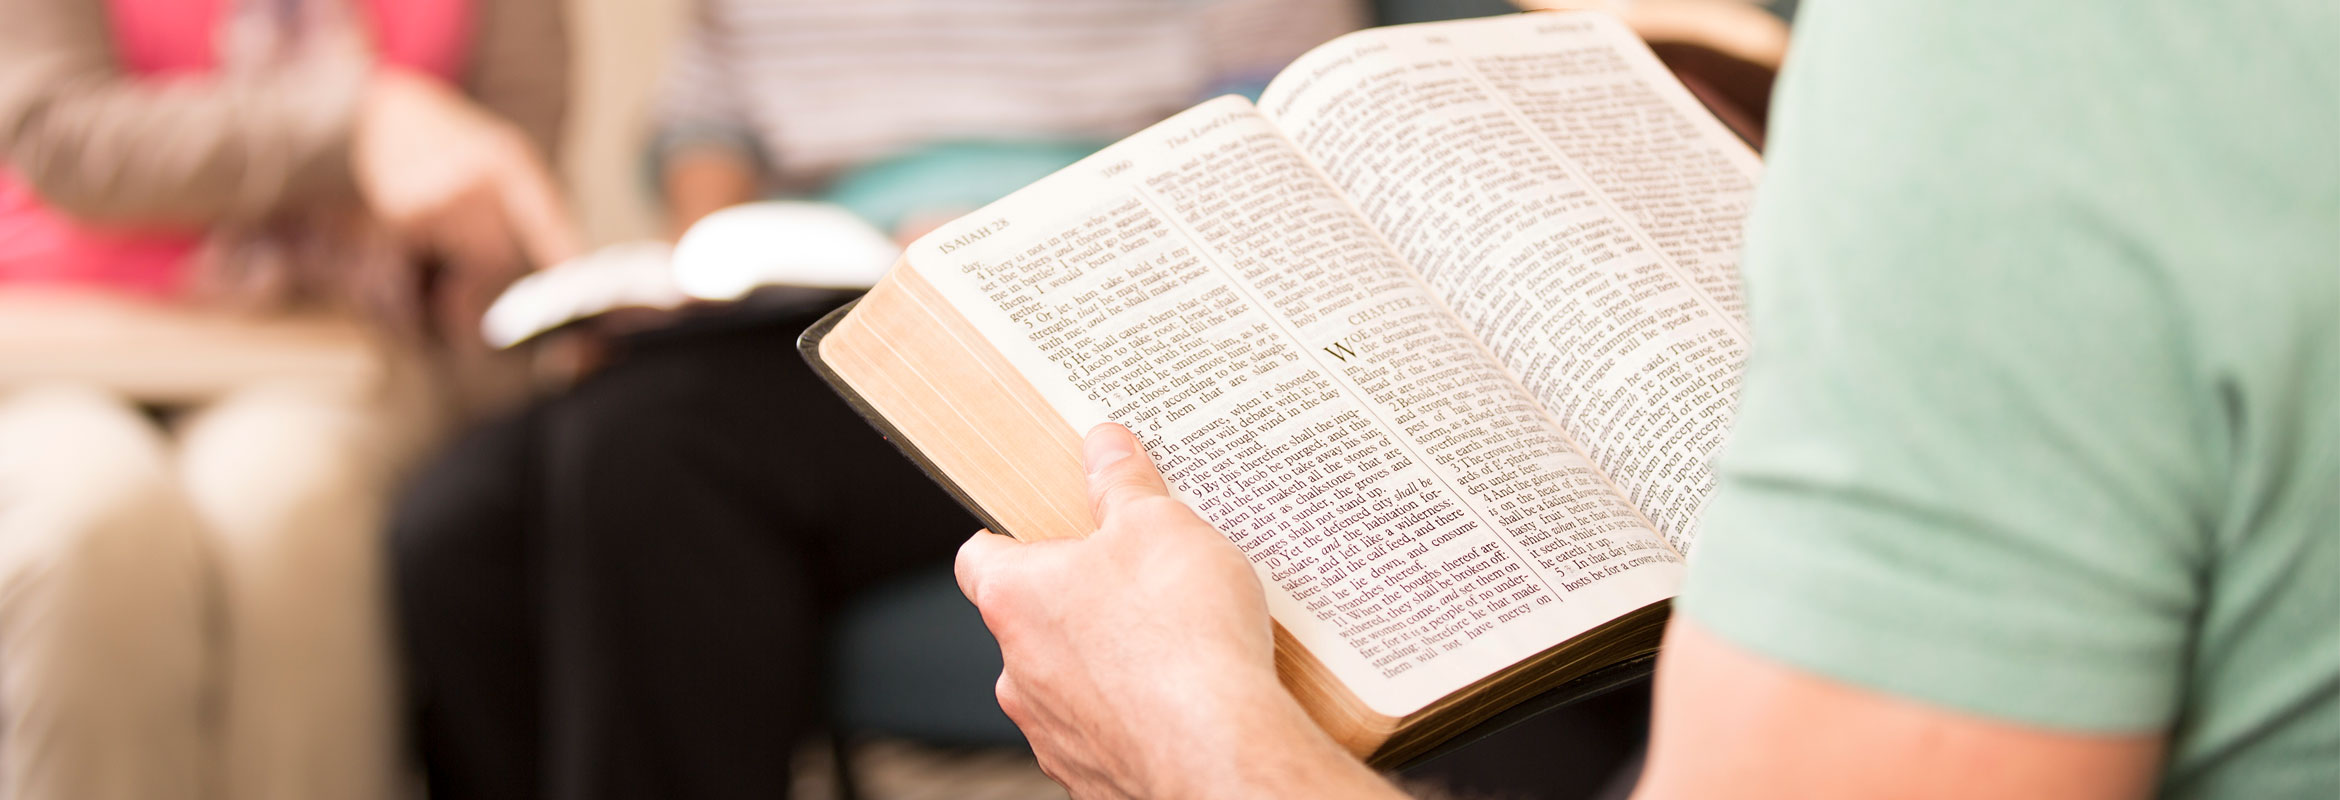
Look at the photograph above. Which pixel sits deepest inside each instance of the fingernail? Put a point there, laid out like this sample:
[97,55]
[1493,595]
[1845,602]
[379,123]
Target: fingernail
[1107,443]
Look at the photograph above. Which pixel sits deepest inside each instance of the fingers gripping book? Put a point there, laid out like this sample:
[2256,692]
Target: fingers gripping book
[1441,333]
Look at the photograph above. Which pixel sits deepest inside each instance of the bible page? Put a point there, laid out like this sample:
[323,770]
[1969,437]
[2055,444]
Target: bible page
[1572,203]
[1300,387]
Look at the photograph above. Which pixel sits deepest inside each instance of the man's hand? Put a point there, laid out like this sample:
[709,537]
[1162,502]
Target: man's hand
[1140,659]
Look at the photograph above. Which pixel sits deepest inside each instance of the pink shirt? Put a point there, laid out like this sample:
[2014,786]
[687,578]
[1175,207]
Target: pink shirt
[161,39]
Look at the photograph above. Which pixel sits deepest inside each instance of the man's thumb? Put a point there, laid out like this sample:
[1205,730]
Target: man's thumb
[1119,472]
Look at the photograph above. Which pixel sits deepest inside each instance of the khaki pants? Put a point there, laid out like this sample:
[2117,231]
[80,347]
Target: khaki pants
[197,615]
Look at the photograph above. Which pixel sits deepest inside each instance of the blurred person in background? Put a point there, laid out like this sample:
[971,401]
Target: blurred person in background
[912,112]
[190,607]
[624,592]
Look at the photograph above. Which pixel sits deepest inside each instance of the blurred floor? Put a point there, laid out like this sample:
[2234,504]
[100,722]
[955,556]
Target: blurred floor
[899,770]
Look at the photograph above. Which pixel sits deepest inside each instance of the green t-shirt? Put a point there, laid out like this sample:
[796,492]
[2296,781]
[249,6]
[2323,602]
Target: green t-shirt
[2042,420]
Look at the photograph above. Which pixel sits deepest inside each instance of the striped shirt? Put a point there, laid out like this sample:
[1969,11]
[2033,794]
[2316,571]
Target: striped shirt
[814,86]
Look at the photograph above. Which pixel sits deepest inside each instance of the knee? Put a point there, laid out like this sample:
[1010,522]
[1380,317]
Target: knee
[87,499]
[281,462]
[78,458]
[292,489]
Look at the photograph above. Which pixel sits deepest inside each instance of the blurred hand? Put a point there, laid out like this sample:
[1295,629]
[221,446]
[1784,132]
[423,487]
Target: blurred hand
[703,180]
[454,180]
[1140,660]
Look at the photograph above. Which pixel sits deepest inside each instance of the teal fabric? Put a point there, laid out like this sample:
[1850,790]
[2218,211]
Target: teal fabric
[2042,420]
[945,180]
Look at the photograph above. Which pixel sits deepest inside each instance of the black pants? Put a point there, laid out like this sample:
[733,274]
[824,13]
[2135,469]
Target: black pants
[621,592]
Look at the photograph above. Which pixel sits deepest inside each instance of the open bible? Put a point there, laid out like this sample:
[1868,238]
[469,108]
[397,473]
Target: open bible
[1441,333]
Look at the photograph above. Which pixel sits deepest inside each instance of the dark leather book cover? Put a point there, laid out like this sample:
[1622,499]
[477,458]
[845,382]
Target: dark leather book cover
[808,344]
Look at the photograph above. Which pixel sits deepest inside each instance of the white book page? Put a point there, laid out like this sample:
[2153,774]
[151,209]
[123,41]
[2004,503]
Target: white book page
[1572,204]
[1201,283]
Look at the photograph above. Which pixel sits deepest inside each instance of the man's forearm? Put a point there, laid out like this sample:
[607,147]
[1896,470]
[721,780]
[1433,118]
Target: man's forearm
[1275,750]
[1319,770]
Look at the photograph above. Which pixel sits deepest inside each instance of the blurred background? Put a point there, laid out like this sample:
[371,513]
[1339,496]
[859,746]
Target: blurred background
[368,428]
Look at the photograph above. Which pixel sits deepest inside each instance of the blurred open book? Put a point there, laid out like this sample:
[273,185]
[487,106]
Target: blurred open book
[720,260]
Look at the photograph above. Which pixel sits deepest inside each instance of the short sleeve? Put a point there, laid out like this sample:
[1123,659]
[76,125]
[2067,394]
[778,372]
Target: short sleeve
[1969,466]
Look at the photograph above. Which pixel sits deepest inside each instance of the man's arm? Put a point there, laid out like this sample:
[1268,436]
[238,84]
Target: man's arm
[1139,664]
[1730,724]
